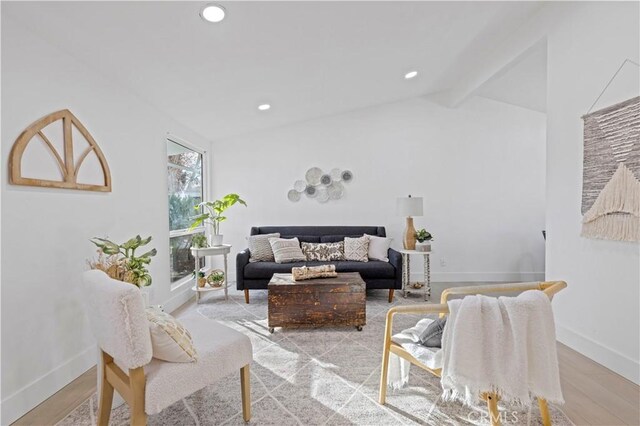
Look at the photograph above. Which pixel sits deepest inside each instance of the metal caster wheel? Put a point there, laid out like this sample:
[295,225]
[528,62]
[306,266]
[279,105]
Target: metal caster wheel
[359,327]
[272,330]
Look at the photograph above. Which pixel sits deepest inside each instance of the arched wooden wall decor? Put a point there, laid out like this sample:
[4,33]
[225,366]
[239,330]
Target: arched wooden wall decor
[68,168]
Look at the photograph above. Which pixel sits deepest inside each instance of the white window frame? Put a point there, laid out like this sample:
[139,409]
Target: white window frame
[205,196]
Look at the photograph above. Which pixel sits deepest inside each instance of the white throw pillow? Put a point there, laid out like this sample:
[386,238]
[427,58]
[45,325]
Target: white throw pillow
[169,339]
[287,250]
[259,247]
[356,249]
[379,247]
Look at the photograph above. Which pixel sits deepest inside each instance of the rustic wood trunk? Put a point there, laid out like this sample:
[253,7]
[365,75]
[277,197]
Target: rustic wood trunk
[337,301]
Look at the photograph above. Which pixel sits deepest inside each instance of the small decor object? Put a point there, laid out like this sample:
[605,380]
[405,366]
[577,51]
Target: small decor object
[68,163]
[216,278]
[119,261]
[424,240]
[169,339]
[323,252]
[611,173]
[356,249]
[286,250]
[409,207]
[320,185]
[202,280]
[199,241]
[309,272]
[213,215]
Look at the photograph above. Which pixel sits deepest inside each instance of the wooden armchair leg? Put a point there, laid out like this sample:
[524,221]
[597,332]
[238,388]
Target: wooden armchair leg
[391,295]
[106,393]
[245,387]
[382,397]
[246,296]
[544,412]
[137,383]
[492,405]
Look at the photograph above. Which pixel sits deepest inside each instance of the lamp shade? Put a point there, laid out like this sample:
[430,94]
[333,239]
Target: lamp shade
[409,206]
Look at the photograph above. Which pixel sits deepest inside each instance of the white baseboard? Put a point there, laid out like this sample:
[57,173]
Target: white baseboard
[613,360]
[17,404]
[448,277]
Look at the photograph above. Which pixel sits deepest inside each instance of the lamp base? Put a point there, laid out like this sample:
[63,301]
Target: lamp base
[409,240]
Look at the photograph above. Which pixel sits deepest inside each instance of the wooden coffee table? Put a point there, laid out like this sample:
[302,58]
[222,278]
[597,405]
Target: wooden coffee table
[335,301]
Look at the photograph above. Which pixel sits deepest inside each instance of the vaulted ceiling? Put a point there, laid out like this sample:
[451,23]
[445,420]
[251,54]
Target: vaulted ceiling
[307,59]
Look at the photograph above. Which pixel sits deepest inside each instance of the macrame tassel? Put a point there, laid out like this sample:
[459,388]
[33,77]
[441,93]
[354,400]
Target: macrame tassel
[615,215]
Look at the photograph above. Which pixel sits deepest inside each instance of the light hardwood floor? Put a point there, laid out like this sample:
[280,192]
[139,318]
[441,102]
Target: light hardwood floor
[594,395]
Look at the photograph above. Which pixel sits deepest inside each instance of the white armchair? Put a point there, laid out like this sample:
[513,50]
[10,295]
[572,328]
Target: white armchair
[148,385]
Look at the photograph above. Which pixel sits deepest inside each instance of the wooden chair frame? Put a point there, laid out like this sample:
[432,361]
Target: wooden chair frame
[132,389]
[550,288]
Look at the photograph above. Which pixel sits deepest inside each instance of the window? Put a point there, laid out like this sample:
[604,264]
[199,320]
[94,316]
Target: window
[185,172]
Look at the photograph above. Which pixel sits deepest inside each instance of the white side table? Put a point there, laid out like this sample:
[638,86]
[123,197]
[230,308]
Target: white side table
[406,271]
[197,253]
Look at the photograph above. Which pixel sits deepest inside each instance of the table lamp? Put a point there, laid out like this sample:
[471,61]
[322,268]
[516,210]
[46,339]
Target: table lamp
[409,207]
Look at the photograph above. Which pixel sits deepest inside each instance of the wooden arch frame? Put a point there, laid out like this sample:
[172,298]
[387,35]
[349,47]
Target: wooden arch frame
[68,168]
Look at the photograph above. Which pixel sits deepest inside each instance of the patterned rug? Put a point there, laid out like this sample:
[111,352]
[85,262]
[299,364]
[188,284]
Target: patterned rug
[323,376]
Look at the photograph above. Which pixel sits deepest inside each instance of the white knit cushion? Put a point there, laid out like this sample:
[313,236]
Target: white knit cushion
[259,247]
[169,339]
[221,351]
[117,318]
[356,249]
[379,248]
[287,250]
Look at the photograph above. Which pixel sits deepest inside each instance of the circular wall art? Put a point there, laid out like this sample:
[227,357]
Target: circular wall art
[313,176]
[293,195]
[321,186]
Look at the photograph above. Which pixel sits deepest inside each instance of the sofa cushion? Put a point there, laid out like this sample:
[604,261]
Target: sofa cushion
[323,251]
[286,250]
[371,269]
[260,248]
[303,238]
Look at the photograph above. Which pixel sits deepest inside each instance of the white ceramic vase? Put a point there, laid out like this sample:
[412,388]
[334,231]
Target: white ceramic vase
[215,240]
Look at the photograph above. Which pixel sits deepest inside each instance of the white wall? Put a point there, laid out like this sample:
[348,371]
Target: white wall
[598,313]
[45,337]
[480,169]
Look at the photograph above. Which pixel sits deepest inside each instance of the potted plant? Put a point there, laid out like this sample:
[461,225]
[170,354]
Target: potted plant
[212,214]
[199,241]
[120,262]
[216,278]
[424,239]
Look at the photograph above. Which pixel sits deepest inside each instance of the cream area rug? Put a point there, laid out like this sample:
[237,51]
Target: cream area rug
[322,376]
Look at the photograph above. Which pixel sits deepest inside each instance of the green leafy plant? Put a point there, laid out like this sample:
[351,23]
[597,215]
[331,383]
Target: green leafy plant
[199,241]
[120,262]
[213,212]
[422,235]
[215,276]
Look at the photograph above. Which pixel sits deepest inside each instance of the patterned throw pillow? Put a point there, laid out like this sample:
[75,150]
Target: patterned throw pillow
[260,249]
[324,252]
[286,250]
[169,339]
[356,249]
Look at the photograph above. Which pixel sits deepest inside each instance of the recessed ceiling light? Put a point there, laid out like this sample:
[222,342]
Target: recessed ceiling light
[264,107]
[410,74]
[212,13]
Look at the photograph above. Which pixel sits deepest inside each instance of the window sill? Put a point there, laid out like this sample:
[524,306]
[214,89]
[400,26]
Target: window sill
[182,284]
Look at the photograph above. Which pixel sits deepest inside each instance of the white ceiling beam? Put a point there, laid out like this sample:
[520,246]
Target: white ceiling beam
[505,56]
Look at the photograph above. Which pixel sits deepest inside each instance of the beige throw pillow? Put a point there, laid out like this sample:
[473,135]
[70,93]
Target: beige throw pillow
[169,339]
[356,249]
[259,247]
[379,247]
[286,250]
[324,252]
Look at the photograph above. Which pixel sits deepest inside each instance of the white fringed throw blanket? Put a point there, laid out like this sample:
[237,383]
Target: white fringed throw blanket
[505,345]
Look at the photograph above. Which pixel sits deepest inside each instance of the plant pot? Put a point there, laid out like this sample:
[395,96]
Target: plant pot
[202,281]
[215,240]
[423,246]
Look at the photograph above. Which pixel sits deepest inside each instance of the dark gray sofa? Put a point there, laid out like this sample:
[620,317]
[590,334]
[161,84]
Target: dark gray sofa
[375,273]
